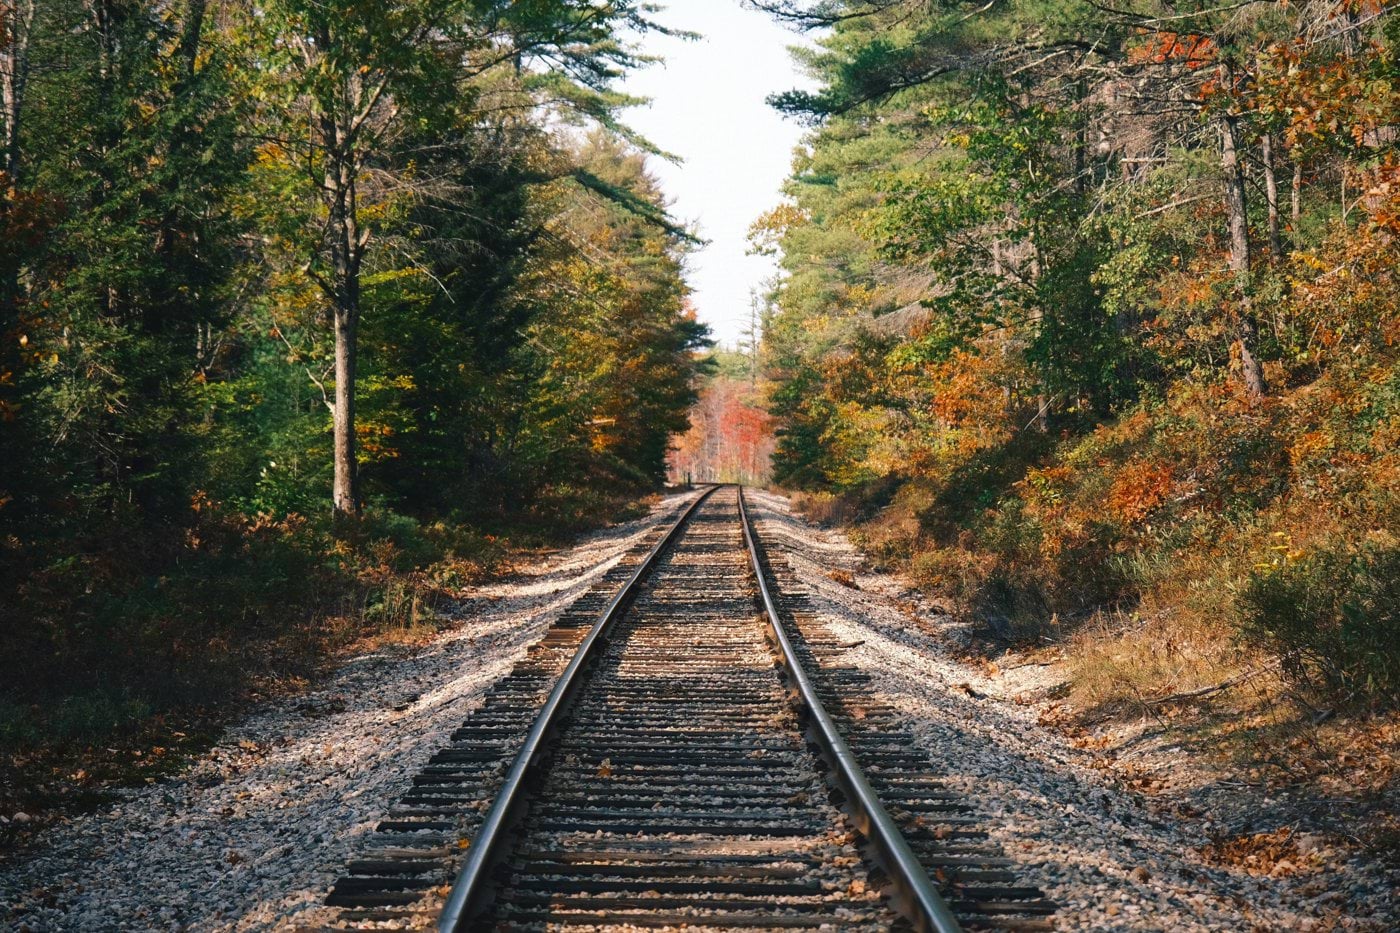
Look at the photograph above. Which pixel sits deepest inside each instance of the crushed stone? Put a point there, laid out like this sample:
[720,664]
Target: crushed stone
[253,833]
[1105,854]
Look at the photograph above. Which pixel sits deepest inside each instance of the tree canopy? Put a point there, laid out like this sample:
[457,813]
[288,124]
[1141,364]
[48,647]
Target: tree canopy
[261,260]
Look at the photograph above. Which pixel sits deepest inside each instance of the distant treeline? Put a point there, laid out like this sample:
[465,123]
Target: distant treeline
[730,439]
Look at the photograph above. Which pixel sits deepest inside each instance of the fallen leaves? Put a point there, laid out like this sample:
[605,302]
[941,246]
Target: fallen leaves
[1272,854]
[843,577]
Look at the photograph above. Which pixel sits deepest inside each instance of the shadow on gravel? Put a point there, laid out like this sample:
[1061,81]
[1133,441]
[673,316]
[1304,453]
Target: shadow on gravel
[1110,857]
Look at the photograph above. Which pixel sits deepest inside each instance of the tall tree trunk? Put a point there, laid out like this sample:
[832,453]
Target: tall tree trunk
[16,25]
[105,16]
[344,494]
[346,247]
[1297,193]
[1081,140]
[184,136]
[1271,194]
[189,40]
[1037,315]
[1008,400]
[1247,331]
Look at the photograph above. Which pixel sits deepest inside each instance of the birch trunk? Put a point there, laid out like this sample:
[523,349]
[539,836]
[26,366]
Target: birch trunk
[15,30]
[346,246]
[1271,195]
[1297,193]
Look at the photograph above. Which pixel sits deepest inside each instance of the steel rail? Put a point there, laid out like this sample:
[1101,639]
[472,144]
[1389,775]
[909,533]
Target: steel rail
[465,897]
[915,892]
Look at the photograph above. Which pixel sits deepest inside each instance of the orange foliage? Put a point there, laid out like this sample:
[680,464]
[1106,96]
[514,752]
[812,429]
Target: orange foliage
[1336,102]
[1382,201]
[1191,49]
[970,393]
[1139,488]
[730,437]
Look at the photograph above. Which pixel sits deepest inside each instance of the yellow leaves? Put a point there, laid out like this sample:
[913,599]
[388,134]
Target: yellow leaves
[1282,552]
[1044,486]
[402,382]
[766,233]
[1308,447]
[270,154]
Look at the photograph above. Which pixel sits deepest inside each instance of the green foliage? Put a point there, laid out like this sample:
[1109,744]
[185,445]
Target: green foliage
[1332,615]
[525,351]
[1012,334]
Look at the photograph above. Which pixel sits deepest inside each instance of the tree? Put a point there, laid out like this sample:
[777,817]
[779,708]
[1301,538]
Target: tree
[349,83]
[206,211]
[16,29]
[1000,185]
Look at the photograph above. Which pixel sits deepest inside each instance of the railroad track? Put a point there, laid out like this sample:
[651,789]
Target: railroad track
[684,748]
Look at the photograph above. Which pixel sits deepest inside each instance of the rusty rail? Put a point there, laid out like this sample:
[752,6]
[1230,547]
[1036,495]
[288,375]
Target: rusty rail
[915,892]
[472,881]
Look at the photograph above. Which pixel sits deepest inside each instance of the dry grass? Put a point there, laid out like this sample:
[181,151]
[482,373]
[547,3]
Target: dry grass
[1120,661]
[825,508]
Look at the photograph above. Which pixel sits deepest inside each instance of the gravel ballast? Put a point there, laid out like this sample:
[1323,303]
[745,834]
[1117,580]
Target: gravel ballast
[252,835]
[1110,858]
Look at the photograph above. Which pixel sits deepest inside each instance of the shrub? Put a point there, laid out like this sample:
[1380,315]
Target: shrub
[1333,616]
[826,508]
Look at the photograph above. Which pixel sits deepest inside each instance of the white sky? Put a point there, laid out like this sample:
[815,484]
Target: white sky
[708,108]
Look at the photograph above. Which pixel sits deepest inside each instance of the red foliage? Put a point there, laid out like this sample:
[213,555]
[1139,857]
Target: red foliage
[730,437]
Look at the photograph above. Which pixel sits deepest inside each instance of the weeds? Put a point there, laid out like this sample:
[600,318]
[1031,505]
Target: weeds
[116,634]
[1333,617]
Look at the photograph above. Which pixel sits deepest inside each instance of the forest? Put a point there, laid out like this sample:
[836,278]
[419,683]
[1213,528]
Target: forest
[1089,324]
[308,312]
[314,313]
[730,438]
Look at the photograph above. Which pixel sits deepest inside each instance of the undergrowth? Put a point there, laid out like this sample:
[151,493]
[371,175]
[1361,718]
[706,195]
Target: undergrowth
[1195,537]
[150,638]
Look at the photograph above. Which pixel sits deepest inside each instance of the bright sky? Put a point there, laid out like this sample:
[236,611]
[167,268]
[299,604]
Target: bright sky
[708,108]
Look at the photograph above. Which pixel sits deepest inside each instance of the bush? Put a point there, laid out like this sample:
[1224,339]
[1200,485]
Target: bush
[1333,616]
[826,508]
